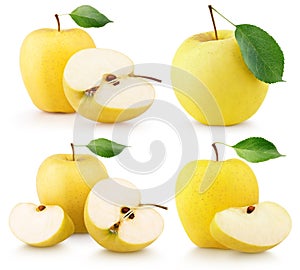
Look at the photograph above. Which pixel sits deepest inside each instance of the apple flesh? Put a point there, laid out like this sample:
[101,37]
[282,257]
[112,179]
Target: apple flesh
[231,89]
[205,187]
[66,182]
[43,56]
[251,229]
[40,226]
[100,85]
[118,222]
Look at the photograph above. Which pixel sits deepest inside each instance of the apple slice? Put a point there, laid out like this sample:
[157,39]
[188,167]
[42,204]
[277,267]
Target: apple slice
[101,86]
[251,229]
[116,220]
[40,226]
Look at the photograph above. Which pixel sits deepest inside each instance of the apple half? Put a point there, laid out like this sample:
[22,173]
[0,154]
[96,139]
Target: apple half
[251,229]
[116,220]
[40,226]
[101,86]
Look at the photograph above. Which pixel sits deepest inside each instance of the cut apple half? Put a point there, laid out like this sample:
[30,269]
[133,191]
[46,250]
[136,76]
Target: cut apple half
[251,229]
[40,226]
[122,226]
[101,85]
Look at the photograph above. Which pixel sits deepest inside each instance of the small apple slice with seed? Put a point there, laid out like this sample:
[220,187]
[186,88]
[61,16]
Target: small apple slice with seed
[253,228]
[40,226]
[117,221]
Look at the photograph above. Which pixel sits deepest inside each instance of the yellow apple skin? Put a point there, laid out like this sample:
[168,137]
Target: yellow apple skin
[205,187]
[43,56]
[67,183]
[220,67]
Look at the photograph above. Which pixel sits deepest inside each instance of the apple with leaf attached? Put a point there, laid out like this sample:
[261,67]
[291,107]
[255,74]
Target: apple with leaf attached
[234,70]
[66,179]
[205,188]
[45,52]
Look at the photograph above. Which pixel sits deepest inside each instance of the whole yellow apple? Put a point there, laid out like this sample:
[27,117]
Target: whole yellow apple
[66,182]
[219,66]
[205,187]
[43,56]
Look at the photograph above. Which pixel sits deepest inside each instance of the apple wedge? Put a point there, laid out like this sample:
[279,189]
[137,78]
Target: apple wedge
[116,220]
[251,229]
[40,226]
[101,86]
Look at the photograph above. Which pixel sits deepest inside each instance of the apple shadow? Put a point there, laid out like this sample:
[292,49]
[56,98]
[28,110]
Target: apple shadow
[230,259]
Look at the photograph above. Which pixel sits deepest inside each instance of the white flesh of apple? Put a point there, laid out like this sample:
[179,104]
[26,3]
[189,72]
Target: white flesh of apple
[267,225]
[32,226]
[85,69]
[128,93]
[146,225]
[88,69]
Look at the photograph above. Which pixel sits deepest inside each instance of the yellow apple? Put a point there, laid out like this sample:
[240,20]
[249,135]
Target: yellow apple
[100,85]
[43,56]
[205,187]
[253,228]
[66,182]
[219,66]
[40,226]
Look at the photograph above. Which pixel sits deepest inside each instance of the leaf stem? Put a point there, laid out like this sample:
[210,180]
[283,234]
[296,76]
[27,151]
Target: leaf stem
[58,22]
[222,16]
[213,20]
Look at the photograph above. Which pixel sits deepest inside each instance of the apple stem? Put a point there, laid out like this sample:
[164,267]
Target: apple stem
[58,22]
[216,150]
[156,205]
[213,20]
[73,152]
[145,77]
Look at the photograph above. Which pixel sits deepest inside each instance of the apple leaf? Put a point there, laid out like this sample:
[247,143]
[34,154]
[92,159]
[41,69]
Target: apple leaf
[261,53]
[87,16]
[256,149]
[105,148]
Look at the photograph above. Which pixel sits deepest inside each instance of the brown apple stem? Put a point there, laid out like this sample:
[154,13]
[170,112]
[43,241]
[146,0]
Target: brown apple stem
[216,151]
[213,20]
[73,152]
[58,22]
[156,205]
[145,77]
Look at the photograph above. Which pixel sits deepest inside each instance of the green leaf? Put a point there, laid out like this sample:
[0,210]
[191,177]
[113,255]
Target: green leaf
[256,149]
[261,53]
[105,148]
[87,16]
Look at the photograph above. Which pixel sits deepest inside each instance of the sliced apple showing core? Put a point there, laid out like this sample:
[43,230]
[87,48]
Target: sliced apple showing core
[101,86]
[41,225]
[121,227]
[251,229]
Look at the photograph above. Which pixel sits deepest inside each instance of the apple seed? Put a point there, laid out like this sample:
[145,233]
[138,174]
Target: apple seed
[250,209]
[40,208]
[125,209]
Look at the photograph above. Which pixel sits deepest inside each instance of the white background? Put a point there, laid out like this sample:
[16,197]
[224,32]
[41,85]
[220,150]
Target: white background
[148,32]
